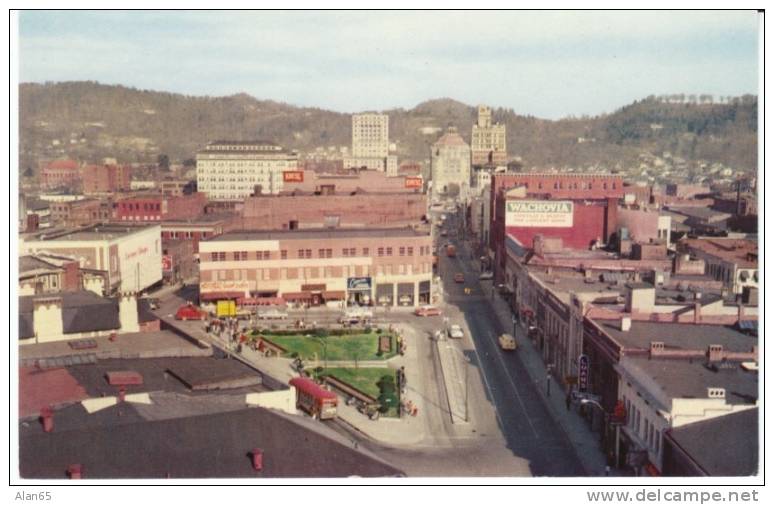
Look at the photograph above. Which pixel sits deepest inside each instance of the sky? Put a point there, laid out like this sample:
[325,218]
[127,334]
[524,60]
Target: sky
[546,64]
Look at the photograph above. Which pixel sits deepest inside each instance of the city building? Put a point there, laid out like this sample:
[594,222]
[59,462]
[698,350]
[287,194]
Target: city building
[642,225]
[351,180]
[581,211]
[80,212]
[686,191]
[41,274]
[732,261]
[371,144]
[233,170]
[731,451]
[59,174]
[106,179]
[156,207]
[450,167]
[382,266]
[177,188]
[332,209]
[129,256]
[487,140]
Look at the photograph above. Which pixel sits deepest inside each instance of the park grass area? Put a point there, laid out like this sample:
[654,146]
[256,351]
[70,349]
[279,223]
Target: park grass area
[362,347]
[364,379]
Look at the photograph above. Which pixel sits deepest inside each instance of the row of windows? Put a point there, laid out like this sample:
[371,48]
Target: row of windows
[349,252]
[322,272]
[136,206]
[647,431]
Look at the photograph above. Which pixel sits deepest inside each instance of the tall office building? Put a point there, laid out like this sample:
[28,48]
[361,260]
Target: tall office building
[232,170]
[450,166]
[370,143]
[487,142]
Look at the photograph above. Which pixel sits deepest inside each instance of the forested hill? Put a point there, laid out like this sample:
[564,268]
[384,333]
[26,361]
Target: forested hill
[88,120]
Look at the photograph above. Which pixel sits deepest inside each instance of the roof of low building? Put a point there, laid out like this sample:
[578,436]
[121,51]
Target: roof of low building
[335,233]
[743,252]
[96,232]
[678,335]
[683,378]
[82,311]
[730,451]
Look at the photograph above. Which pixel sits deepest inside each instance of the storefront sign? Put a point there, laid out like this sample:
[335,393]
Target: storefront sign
[539,214]
[583,373]
[359,283]
[313,287]
[293,176]
[413,182]
[214,286]
[137,252]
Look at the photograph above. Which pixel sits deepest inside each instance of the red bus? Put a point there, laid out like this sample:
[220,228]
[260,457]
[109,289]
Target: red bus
[313,399]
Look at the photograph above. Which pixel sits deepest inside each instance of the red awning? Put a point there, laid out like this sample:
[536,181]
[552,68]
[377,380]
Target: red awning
[334,295]
[297,296]
[264,300]
[221,295]
[652,470]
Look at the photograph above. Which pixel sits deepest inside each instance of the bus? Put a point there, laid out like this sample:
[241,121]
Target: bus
[313,399]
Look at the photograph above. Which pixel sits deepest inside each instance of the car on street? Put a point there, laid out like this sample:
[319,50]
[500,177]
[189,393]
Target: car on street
[444,233]
[272,314]
[455,331]
[507,342]
[356,316]
[459,278]
[427,310]
[190,312]
[486,276]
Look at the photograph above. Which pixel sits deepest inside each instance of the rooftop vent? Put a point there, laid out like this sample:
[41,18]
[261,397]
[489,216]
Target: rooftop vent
[716,393]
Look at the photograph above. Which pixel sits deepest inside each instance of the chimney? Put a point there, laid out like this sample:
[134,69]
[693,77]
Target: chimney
[75,471]
[257,457]
[696,312]
[716,393]
[127,313]
[715,353]
[656,349]
[47,419]
[626,323]
[47,318]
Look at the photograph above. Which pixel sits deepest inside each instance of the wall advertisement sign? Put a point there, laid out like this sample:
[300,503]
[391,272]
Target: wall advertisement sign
[539,213]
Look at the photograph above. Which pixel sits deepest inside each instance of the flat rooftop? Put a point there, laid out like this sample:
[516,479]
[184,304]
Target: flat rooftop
[337,233]
[98,232]
[679,378]
[678,335]
[743,252]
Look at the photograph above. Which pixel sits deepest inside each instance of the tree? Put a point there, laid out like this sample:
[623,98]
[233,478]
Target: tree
[162,160]
[190,162]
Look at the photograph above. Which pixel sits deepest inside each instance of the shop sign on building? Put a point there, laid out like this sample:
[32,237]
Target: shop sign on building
[359,283]
[413,182]
[539,213]
[293,176]
[216,286]
[583,373]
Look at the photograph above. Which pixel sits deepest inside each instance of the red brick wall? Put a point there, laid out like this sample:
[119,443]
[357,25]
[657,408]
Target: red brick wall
[185,207]
[589,223]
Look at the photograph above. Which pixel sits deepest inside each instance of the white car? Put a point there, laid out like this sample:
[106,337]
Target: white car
[272,314]
[455,331]
[486,276]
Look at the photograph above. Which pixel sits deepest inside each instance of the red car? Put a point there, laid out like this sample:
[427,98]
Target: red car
[190,312]
[427,310]
[459,278]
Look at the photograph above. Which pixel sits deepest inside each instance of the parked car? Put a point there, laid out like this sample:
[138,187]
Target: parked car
[356,315]
[272,314]
[190,312]
[507,342]
[486,276]
[459,278]
[427,310]
[455,331]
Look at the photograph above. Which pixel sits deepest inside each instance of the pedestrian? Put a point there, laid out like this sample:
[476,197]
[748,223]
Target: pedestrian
[607,471]
[568,402]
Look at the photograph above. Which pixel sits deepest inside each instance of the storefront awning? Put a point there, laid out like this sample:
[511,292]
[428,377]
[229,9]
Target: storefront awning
[264,300]
[297,296]
[221,295]
[334,295]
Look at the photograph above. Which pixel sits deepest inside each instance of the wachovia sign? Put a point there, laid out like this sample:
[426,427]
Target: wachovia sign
[539,213]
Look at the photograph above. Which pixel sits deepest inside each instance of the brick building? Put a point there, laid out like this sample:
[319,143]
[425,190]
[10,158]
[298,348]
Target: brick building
[332,210]
[576,209]
[349,181]
[108,178]
[156,207]
[80,212]
[381,266]
[59,174]
[732,261]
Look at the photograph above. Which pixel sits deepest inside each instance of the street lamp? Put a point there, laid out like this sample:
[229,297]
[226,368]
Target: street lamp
[585,401]
[467,366]
[325,348]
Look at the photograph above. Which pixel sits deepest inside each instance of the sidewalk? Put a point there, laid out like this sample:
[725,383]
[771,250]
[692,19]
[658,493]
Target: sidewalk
[585,442]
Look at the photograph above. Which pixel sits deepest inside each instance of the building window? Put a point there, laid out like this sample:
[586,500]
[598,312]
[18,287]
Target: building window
[221,256]
[402,251]
[345,252]
[321,253]
[365,251]
[243,255]
[380,251]
[352,251]
[329,253]
[284,254]
[411,251]
[389,251]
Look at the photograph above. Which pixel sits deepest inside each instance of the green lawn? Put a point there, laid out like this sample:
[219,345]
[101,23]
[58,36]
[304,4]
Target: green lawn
[364,379]
[344,348]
